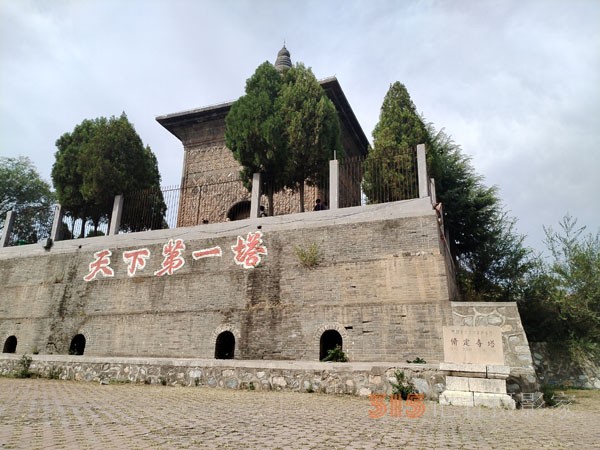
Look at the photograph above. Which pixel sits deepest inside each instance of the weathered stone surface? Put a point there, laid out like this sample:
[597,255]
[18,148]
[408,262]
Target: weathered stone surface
[364,392]
[392,281]
[469,369]
[457,383]
[555,367]
[513,335]
[300,376]
[456,398]
[499,372]
[473,345]
[493,400]
[487,385]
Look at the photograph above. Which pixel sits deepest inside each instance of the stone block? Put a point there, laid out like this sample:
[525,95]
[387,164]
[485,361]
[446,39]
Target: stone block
[467,369]
[487,385]
[457,383]
[456,398]
[493,400]
[497,371]
[364,392]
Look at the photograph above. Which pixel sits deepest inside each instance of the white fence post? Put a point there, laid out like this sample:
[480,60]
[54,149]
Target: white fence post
[255,200]
[8,226]
[422,171]
[59,213]
[115,218]
[334,184]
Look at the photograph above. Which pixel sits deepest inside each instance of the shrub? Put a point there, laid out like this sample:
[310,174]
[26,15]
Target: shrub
[309,257]
[417,360]
[403,386]
[25,364]
[336,355]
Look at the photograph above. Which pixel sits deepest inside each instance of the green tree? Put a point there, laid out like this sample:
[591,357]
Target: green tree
[255,133]
[389,170]
[561,300]
[312,129]
[490,256]
[575,281]
[23,191]
[99,159]
[284,127]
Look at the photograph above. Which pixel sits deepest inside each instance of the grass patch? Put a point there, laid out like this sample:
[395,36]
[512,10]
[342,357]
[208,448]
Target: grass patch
[309,257]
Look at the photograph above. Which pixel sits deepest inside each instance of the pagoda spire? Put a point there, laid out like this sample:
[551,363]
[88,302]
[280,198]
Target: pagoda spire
[283,61]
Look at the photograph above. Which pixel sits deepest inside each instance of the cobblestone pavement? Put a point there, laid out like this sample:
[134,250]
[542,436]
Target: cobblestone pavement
[46,414]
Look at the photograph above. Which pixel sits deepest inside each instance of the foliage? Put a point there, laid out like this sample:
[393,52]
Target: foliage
[255,134]
[312,129]
[548,395]
[284,127]
[309,257]
[23,191]
[575,278]
[395,137]
[490,255]
[24,367]
[99,159]
[403,386]
[336,355]
[54,373]
[562,301]
[417,360]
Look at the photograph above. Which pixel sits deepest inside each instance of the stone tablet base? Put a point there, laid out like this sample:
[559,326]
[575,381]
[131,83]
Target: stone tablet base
[476,385]
[462,398]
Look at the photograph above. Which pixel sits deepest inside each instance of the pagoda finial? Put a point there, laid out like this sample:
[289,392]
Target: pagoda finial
[283,61]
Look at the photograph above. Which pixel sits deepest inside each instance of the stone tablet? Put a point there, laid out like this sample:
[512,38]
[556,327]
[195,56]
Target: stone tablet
[473,345]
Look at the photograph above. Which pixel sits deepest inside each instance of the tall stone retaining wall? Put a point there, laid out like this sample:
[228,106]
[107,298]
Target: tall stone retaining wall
[380,282]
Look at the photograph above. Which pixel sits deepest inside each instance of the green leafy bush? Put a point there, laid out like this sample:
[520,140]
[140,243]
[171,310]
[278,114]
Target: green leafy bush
[336,355]
[309,257]
[417,360]
[24,369]
[403,386]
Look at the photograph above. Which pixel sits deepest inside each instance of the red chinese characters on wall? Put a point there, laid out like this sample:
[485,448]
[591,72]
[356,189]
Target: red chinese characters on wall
[136,259]
[100,265]
[248,251]
[173,261]
[207,253]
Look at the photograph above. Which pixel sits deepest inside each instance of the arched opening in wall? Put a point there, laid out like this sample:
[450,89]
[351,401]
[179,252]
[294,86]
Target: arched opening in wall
[225,345]
[77,345]
[10,345]
[330,339]
[239,211]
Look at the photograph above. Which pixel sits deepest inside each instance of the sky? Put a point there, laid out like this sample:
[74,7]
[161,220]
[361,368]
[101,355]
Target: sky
[516,83]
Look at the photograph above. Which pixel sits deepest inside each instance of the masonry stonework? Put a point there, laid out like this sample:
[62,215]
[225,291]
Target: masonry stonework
[212,190]
[381,283]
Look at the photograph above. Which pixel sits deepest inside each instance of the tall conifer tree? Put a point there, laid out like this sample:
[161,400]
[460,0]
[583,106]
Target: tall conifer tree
[390,172]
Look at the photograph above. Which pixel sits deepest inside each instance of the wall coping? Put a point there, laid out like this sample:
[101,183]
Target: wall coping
[226,363]
[483,303]
[288,222]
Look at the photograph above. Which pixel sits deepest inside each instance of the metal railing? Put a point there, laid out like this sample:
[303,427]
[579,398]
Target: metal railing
[30,224]
[379,180]
[362,180]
